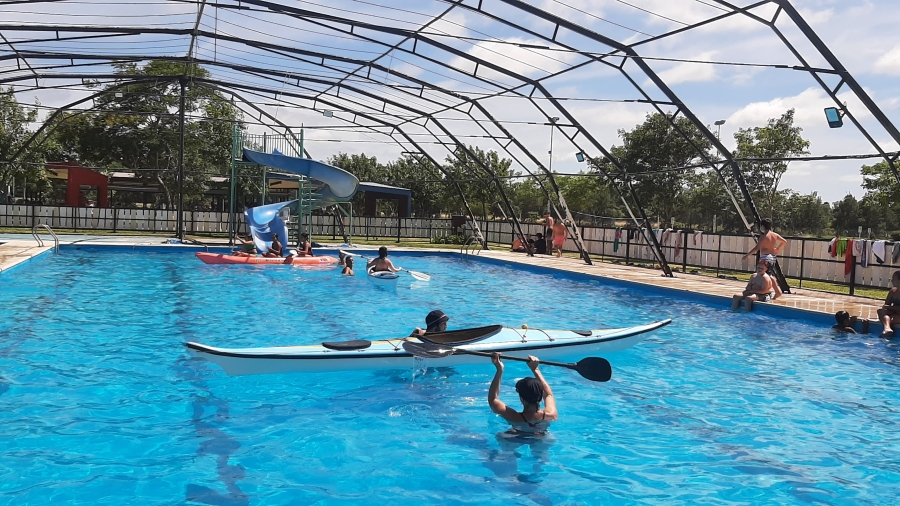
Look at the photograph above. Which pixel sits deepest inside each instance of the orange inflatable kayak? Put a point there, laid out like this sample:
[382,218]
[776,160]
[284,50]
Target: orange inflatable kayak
[218,258]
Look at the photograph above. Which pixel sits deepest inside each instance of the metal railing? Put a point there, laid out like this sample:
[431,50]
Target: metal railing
[37,236]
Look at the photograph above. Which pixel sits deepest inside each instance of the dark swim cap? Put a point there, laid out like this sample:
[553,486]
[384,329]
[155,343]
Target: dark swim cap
[434,318]
[531,390]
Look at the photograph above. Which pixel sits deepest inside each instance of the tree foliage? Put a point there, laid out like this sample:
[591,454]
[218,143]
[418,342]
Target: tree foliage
[136,127]
[14,132]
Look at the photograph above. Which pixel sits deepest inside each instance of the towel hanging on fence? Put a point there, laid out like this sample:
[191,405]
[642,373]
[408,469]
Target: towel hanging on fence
[832,247]
[848,258]
[676,236]
[864,253]
[616,240]
[840,248]
[857,247]
[878,251]
[896,255]
[698,238]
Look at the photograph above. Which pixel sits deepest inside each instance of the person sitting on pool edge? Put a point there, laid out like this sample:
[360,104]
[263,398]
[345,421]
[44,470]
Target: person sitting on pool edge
[890,311]
[248,247]
[761,287]
[532,421]
[382,264]
[436,321]
[348,267]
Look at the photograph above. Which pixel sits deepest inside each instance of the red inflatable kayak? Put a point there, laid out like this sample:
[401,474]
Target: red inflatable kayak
[218,258]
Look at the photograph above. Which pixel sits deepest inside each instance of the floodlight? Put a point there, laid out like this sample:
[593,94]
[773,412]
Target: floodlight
[328,114]
[579,156]
[834,117]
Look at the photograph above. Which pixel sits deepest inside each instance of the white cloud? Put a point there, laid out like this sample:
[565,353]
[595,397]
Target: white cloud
[889,63]
[688,72]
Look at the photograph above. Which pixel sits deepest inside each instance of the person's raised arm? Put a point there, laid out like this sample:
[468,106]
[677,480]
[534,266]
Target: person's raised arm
[497,406]
[392,267]
[550,412]
[370,263]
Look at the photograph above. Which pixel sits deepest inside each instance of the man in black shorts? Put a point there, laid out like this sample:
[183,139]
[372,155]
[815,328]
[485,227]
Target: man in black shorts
[540,245]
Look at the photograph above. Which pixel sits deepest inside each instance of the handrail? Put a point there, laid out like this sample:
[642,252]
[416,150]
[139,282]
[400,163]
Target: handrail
[37,236]
[464,249]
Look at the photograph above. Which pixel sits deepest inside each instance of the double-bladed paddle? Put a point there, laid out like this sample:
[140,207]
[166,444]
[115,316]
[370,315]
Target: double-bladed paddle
[592,368]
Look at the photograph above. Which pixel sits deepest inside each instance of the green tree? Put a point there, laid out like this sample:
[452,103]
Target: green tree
[14,132]
[478,185]
[137,128]
[777,140]
[590,195]
[655,145]
[845,215]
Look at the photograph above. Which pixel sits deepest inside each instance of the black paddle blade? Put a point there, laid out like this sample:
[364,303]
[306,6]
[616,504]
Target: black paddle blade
[594,368]
[425,350]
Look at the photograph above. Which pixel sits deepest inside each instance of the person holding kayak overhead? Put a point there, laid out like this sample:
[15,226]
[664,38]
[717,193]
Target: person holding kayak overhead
[382,263]
[436,321]
[533,420]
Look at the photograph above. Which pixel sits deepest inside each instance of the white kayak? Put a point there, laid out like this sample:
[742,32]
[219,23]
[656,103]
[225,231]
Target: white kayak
[389,353]
[382,275]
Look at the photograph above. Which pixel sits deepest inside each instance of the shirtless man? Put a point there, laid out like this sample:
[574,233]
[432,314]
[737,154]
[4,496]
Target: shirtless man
[769,243]
[761,287]
[382,263]
[548,231]
[560,232]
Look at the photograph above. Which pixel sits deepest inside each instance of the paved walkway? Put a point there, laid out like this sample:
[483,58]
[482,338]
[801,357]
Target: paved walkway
[16,249]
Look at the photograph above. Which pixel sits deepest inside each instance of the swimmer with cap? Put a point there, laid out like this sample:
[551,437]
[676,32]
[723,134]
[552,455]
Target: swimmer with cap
[436,321]
[532,420]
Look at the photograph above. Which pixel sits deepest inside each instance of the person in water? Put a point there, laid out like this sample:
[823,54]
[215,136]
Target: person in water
[761,287]
[341,257]
[276,250]
[532,420]
[348,267]
[890,311]
[248,248]
[844,322]
[435,321]
[382,263]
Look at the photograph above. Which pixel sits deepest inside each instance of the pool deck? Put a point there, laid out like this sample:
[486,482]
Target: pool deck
[16,251]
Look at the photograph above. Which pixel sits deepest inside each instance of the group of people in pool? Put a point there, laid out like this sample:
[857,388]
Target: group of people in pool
[379,264]
[275,250]
[532,420]
[555,236]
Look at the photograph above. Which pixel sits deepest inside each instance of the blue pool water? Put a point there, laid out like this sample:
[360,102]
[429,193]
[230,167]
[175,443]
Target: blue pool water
[100,403]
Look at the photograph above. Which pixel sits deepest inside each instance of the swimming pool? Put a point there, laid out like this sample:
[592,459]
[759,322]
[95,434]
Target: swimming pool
[101,403]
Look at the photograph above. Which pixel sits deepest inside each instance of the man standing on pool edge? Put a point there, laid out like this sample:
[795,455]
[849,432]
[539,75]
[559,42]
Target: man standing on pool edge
[769,246]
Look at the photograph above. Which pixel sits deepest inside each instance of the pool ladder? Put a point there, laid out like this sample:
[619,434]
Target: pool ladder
[473,243]
[37,236]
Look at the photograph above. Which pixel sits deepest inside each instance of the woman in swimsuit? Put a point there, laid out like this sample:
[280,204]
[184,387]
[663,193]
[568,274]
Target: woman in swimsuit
[382,263]
[532,420]
[890,311]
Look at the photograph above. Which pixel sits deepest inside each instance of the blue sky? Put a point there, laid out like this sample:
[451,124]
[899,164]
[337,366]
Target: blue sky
[862,33]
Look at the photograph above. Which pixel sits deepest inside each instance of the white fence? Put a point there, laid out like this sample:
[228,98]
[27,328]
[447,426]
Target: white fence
[802,259]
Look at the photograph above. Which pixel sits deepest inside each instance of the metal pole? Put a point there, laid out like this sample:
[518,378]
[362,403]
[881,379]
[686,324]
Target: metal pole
[179,224]
[231,230]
